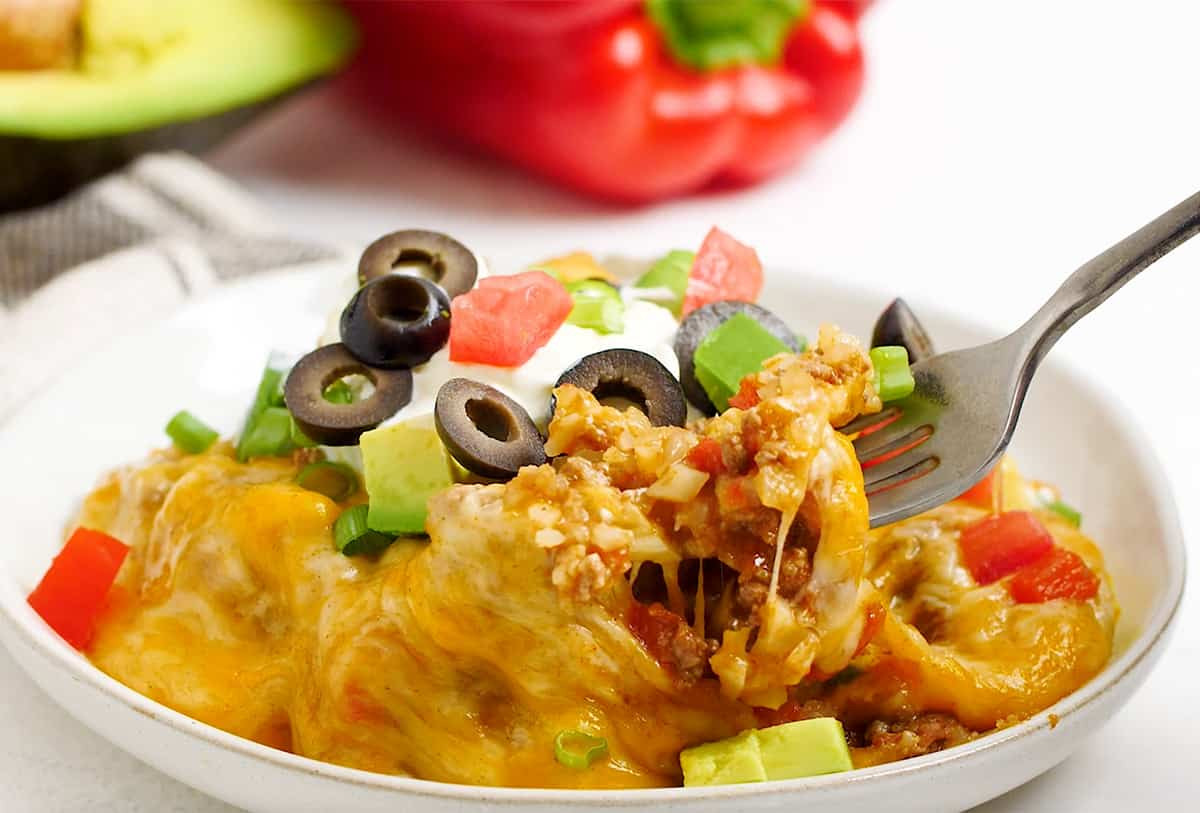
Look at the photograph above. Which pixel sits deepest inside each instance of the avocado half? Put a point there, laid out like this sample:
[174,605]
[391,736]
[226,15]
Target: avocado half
[171,74]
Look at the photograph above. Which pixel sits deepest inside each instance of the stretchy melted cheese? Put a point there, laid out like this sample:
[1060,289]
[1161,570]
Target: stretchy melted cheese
[629,589]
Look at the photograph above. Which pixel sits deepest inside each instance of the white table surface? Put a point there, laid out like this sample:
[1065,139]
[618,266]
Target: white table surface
[997,147]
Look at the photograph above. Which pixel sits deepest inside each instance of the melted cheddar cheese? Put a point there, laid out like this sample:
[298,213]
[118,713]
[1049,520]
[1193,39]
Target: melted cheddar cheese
[627,589]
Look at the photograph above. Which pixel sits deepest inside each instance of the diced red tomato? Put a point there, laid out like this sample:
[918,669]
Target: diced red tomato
[733,494]
[505,320]
[656,627]
[724,269]
[1058,574]
[982,493]
[747,395]
[72,593]
[706,456]
[995,546]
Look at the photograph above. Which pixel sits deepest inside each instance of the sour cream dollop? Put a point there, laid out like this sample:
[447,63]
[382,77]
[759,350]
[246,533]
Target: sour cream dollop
[648,327]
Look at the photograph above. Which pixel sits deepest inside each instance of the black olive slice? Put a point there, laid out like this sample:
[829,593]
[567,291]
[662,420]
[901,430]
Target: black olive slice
[335,424]
[441,258]
[898,326]
[396,321]
[634,376]
[487,432]
[702,321]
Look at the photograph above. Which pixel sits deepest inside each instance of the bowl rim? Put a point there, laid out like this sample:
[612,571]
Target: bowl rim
[35,634]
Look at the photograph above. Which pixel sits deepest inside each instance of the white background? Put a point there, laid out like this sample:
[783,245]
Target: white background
[998,145]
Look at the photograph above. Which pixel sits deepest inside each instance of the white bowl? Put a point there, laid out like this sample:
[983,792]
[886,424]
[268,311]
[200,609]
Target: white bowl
[207,358]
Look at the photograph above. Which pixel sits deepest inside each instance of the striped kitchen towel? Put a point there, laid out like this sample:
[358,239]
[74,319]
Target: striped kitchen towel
[124,250]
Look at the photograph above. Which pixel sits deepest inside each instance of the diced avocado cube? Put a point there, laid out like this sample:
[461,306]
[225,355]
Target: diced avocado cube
[670,272]
[735,349]
[404,464]
[725,762]
[803,748]
[598,306]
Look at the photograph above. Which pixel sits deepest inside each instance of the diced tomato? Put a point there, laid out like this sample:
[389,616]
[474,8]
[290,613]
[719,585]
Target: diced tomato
[706,456]
[734,495]
[995,546]
[1058,574]
[746,396]
[981,494]
[656,627]
[871,627]
[724,269]
[506,319]
[72,593]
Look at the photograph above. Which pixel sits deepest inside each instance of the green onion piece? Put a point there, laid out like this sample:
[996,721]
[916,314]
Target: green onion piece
[189,433]
[269,435]
[1066,512]
[269,394]
[733,350]
[670,272]
[893,378]
[352,536]
[337,481]
[339,392]
[299,439]
[578,749]
[598,306]
[715,34]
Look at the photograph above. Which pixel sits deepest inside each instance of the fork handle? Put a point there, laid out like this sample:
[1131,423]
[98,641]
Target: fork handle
[1100,277]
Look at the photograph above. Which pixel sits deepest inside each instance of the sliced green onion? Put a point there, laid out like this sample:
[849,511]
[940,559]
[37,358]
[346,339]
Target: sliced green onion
[578,749]
[339,392]
[352,536]
[893,378]
[671,273]
[268,435]
[337,481]
[299,439]
[269,395]
[1066,512]
[598,306]
[189,433]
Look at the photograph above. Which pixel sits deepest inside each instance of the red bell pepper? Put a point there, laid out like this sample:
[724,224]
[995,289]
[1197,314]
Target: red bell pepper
[622,99]
[1059,574]
[72,593]
[994,547]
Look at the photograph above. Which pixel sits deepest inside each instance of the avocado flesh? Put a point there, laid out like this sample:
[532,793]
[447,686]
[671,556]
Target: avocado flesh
[789,751]
[146,64]
[152,76]
[404,464]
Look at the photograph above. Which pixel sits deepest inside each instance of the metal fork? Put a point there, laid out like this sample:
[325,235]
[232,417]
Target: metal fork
[932,446]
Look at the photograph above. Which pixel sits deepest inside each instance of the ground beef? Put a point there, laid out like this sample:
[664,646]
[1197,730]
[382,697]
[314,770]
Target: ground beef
[670,641]
[882,742]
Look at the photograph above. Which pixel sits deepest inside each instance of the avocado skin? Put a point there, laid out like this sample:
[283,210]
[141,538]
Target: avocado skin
[37,171]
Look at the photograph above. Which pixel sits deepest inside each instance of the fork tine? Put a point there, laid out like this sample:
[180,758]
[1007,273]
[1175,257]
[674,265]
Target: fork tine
[870,423]
[914,472]
[881,446]
[883,476]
